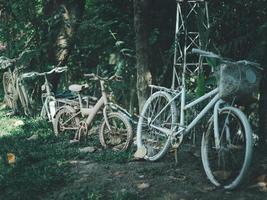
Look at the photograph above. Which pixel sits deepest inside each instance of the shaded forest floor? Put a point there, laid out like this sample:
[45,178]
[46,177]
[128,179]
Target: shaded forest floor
[49,167]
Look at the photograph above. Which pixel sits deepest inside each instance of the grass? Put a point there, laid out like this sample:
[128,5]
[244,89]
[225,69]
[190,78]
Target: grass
[42,165]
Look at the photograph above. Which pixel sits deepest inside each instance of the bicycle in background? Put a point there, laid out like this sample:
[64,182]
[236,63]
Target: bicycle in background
[115,129]
[50,101]
[14,90]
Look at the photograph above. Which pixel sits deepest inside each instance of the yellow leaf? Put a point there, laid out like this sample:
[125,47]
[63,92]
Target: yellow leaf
[11,158]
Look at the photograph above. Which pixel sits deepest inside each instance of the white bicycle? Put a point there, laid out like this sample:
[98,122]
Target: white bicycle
[226,147]
[50,101]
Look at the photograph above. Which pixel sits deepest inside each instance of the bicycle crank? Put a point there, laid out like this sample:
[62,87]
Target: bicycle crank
[176,141]
[82,131]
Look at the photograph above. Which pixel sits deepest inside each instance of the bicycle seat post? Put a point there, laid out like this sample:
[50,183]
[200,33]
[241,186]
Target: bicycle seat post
[47,87]
[80,99]
[103,92]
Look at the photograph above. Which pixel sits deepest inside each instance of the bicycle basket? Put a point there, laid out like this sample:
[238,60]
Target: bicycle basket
[239,81]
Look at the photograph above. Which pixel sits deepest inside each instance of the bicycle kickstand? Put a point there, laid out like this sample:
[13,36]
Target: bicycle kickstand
[176,142]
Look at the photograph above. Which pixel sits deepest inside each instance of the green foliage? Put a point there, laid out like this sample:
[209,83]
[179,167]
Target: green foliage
[40,165]
[238,31]
[43,165]
[236,28]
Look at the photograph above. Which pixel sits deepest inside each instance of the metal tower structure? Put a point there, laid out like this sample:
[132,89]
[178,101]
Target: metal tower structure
[192,26]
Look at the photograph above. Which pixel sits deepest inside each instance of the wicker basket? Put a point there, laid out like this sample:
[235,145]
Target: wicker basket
[238,81]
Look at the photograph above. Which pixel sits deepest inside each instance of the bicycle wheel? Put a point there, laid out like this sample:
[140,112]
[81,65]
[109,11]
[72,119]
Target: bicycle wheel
[24,99]
[66,121]
[120,134]
[227,165]
[158,111]
[8,89]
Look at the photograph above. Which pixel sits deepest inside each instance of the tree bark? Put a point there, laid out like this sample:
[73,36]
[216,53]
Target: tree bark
[61,44]
[263,111]
[141,25]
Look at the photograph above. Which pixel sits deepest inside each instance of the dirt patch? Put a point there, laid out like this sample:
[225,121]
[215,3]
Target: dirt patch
[185,180]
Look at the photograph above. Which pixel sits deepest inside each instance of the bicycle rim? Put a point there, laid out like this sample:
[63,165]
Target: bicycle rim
[228,165]
[159,112]
[8,89]
[23,98]
[119,136]
[66,122]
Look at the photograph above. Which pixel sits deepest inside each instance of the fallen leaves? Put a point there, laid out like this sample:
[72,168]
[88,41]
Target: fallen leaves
[141,152]
[261,183]
[87,149]
[11,158]
[118,174]
[18,123]
[143,186]
[33,137]
[178,178]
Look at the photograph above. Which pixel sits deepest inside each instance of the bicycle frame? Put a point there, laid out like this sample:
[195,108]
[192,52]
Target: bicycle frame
[91,112]
[182,128]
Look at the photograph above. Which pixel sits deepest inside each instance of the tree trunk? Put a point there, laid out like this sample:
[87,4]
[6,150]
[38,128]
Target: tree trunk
[263,111]
[144,77]
[62,43]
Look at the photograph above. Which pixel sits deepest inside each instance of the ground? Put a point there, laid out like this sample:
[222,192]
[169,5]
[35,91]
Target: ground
[49,167]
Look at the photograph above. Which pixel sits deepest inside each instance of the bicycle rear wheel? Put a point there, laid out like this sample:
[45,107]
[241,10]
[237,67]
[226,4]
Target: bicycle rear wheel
[228,165]
[66,121]
[160,112]
[120,134]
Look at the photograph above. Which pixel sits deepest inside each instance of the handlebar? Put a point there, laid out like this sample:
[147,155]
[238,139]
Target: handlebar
[28,75]
[254,64]
[6,62]
[205,53]
[95,77]
[213,55]
[33,74]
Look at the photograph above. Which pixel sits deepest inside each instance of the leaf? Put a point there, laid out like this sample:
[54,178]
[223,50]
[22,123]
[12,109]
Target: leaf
[87,149]
[143,186]
[141,152]
[213,62]
[200,85]
[11,158]
[33,137]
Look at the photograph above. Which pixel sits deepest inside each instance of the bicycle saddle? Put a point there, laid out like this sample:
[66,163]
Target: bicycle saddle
[78,88]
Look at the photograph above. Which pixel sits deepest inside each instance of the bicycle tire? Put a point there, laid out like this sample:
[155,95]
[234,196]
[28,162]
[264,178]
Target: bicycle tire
[8,89]
[24,99]
[146,138]
[240,132]
[68,112]
[120,136]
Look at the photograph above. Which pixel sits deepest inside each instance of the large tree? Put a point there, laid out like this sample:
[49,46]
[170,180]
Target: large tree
[141,25]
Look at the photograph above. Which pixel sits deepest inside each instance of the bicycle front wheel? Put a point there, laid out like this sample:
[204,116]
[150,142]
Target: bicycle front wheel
[119,135]
[159,112]
[228,164]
